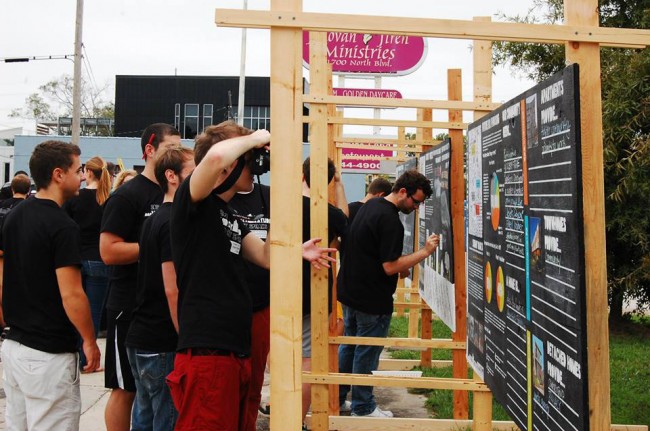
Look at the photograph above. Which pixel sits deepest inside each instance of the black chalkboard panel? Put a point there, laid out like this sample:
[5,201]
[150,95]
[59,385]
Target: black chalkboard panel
[525,257]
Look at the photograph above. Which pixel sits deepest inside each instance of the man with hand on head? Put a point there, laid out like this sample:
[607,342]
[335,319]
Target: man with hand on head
[210,381]
[42,298]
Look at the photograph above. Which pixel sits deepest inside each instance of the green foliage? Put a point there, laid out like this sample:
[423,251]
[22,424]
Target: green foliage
[626,136]
[629,351]
[54,100]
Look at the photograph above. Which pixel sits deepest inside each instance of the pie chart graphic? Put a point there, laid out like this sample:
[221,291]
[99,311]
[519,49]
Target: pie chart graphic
[488,283]
[501,291]
[495,200]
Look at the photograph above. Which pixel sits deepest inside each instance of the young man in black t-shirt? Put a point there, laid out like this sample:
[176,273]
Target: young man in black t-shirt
[43,300]
[337,222]
[124,213]
[253,210]
[378,188]
[152,337]
[20,186]
[368,278]
[210,381]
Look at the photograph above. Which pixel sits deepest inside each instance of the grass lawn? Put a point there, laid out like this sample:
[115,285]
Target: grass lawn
[629,345]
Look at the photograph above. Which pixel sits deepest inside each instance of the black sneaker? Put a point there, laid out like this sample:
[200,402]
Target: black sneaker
[266,410]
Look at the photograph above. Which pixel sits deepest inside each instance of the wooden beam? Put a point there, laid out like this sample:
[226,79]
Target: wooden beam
[377,102]
[438,28]
[435,343]
[351,423]
[318,191]
[457,186]
[416,142]
[482,56]
[399,123]
[587,55]
[396,382]
[286,235]
[409,364]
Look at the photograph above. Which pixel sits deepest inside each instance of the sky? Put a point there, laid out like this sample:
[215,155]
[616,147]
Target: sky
[167,37]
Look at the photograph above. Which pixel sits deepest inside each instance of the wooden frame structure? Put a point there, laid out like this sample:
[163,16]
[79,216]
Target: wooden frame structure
[582,37]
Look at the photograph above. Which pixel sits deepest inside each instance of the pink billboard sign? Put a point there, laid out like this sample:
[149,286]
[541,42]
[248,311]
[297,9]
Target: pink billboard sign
[350,163]
[371,54]
[367,92]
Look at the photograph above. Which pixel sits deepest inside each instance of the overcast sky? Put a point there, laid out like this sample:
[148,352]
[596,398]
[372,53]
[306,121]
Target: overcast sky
[166,37]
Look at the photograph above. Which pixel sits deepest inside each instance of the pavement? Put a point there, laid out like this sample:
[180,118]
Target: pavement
[94,397]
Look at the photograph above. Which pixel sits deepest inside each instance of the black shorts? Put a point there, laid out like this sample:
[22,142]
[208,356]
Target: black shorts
[117,372]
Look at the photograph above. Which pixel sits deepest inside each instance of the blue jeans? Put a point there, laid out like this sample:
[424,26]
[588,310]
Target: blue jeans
[94,278]
[361,359]
[153,408]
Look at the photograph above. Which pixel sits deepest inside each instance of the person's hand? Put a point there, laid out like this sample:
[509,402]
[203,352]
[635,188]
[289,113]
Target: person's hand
[317,256]
[93,356]
[261,138]
[432,243]
[337,177]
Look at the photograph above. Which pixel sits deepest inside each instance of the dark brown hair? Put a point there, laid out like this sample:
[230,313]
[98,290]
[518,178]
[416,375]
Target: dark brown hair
[48,156]
[214,134]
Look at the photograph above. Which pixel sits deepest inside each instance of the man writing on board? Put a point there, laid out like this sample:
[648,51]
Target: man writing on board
[368,278]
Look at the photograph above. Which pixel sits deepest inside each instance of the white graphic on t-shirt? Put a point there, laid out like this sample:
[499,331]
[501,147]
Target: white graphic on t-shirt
[233,232]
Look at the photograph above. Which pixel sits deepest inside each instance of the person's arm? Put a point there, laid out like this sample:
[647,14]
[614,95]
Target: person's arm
[403,263]
[115,251]
[341,200]
[171,290]
[219,158]
[258,252]
[77,309]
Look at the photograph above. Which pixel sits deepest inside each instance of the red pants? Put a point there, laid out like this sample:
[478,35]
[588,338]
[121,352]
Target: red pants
[209,392]
[260,345]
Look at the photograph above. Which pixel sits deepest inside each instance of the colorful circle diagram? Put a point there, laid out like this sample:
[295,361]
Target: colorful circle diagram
[501,290]
[488,282]
[495,200]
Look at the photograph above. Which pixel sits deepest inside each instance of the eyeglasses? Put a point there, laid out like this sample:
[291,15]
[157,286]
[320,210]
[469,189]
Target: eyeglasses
[415,201]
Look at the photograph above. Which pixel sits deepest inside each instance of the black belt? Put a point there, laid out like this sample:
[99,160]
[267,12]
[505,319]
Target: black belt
[205,351]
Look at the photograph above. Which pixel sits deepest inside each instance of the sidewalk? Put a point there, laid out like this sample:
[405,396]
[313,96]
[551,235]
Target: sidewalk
[93,398]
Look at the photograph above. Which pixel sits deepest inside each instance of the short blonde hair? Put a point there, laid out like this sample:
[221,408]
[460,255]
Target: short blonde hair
[123,177]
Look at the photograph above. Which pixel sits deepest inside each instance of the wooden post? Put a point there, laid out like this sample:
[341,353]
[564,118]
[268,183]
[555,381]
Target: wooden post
[455,92]
[426,315]
[482,93]
[286,235]
[318,72]
[587,55]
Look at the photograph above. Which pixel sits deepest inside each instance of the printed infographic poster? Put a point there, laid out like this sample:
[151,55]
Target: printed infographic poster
[408,220]
[525,287]
[437,271]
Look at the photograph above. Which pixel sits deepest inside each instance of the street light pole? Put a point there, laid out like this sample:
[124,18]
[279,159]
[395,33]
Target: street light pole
[242,75]
[76,89]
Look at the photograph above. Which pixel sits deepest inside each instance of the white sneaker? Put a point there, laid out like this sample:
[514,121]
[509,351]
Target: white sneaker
[346,407]
[377,413]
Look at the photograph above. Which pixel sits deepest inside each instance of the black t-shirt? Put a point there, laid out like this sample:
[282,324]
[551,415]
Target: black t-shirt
[336,226]
[214,304]
[253,210]
[151,327]
[124,213]
[39,238]
[353,209]
[6,206]
[85,210]
[375,237]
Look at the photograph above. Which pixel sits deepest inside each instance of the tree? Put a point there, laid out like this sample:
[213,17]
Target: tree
[626,137]
[54,100]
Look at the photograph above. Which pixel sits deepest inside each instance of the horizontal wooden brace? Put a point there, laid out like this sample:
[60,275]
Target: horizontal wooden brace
[401,149]
[444,383]
[435,343]
[396,123]
[374,140]
[408,364]
[360,423]
[378,102]
[437,28]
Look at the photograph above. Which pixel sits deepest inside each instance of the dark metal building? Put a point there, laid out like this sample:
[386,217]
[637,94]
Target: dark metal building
[188,102]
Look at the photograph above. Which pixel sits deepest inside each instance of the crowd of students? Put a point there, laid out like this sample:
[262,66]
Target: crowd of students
[170,257]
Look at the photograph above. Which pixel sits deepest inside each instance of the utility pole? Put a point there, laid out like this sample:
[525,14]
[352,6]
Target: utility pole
[242,75]
[76,89]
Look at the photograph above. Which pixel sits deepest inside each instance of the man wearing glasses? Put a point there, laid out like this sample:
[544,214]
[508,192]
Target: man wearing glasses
[368,278]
